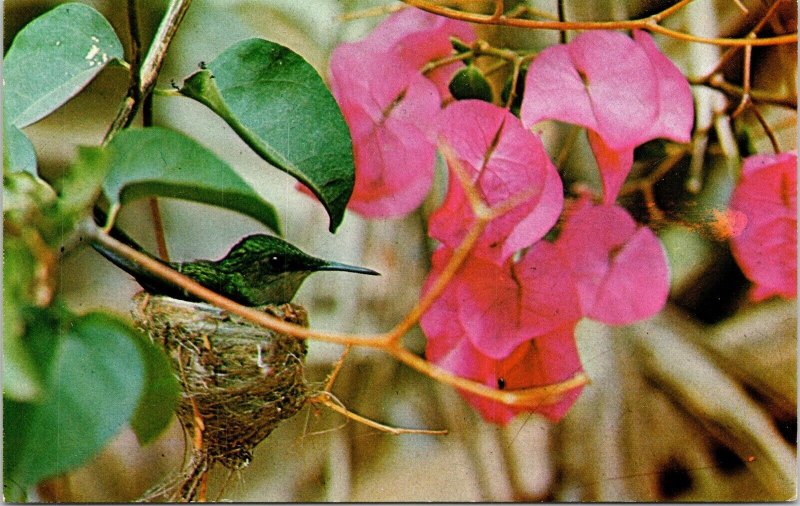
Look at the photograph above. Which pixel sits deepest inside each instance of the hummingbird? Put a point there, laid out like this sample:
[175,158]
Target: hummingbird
[260,269]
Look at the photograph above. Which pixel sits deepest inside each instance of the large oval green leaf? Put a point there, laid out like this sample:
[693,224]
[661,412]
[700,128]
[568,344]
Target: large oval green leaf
[156,161]
[278,104]
[94,376]
[53,58]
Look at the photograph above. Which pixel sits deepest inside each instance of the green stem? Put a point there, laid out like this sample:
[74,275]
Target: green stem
[134,90]
[718,82]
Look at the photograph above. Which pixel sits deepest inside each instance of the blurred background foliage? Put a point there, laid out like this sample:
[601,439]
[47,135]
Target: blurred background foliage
[697,404]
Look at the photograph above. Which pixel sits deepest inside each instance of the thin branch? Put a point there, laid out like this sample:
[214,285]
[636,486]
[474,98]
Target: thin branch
[669,11]
[324,398]
[566,148]
[532,398]
[499,7]
[337,367]
[134,89]
[524,10]
[732,51]
[718,82]
[158,50]
[151,65]
[649,24]
[747,70]
[767,130]
[158,229]
[380,10]
[514,79]
[741,6]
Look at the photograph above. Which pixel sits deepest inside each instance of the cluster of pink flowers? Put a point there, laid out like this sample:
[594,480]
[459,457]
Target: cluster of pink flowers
[508,316]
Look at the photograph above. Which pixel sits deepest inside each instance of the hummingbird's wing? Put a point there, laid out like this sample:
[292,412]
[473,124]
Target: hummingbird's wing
[145,278]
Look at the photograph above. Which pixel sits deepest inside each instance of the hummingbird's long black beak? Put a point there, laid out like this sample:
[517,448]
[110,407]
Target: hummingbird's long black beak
[337,266]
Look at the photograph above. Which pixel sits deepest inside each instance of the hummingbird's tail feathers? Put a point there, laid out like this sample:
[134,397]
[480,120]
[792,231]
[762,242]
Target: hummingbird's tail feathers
[336,266]
[149,281]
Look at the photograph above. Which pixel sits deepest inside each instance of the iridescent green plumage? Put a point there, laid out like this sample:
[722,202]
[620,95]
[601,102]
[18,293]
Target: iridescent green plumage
[260,269]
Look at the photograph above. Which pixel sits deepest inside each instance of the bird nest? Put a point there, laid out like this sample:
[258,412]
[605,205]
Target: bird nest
[239,380]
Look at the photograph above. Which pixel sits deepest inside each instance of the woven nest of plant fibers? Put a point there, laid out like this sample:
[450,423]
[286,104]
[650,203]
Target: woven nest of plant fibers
[240,379]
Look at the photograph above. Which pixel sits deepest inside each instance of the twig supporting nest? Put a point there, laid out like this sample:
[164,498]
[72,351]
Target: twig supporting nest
[239,380]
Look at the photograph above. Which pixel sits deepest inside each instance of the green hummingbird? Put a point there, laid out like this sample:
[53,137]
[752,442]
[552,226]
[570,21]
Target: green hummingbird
[260,269]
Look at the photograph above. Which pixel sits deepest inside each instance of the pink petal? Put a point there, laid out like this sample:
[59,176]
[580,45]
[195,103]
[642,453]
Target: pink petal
[366,80]
[500,307]
[766,249]
[545,360]
[504,160]
[443,329]
[547,301]
[619,271]
[601,80]
[547,308]
[554,89]
[588,235]
[637,284]
[552,358]
[412,37]
[675,104]
[614,166]
[395,160]
[394,153]
[541,219]
[625,92]
[489,307]
[483,298]
[390,107]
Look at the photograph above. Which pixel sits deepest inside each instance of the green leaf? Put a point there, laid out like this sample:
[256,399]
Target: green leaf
[25,195]
[13,416]
[93,375]
[160,396]
[35,207]
[281,108]
[26,277]
[80,186]
[53,58]
[157,161]
[20,379]
[18,152]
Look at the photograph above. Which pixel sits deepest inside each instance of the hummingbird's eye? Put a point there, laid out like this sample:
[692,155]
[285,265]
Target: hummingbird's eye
[276,261]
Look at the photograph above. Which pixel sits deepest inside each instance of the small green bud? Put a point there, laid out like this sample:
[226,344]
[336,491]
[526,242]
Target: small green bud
[469,82]
[459,45]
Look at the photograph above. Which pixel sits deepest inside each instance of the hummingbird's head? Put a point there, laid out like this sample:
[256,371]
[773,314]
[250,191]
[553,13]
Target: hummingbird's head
[272,256]
[276,268]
